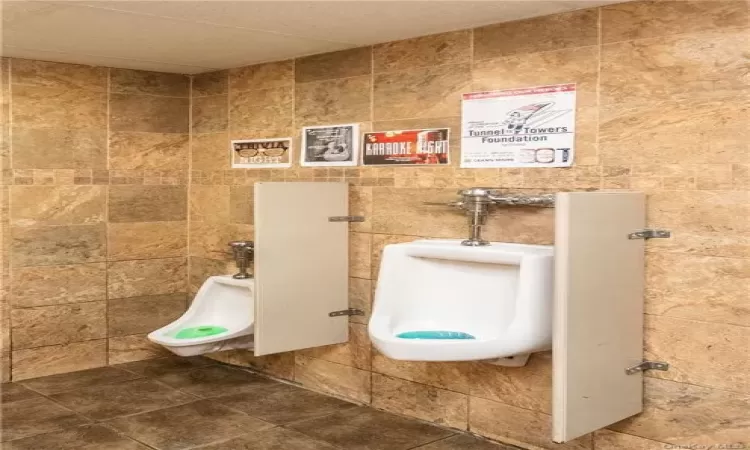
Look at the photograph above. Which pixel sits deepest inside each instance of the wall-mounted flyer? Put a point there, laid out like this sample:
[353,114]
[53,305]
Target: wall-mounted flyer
[531,127]
[406,147]
[262,153]
[331,145]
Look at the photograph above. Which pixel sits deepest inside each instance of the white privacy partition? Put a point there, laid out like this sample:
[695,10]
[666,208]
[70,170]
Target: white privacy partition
[302,265]
[598,319]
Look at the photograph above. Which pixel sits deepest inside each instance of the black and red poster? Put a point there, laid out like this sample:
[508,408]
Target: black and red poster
[406,147]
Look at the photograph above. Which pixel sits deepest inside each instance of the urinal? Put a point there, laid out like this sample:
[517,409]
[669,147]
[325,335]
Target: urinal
[438,300]
[220,318]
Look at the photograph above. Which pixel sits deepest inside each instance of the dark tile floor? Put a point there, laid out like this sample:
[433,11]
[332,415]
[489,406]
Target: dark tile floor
[184,403]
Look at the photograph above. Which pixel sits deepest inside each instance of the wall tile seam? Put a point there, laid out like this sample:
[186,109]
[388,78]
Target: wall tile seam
[430,117]
[299,353]
[715,31]
[548,414]
[102,90]
[106,212]
[7,234]
[92,224]
[599,34]
[72,264]
[671,317]
[701,255]
[412,167]
[328,80]
[66,342]
[188,188]
[744,395]
[162,258]
[628,434]
[55,305]
[193,96]
[524,55]
[457,431]
[169,258]
[151,132]
[242,91]
[144,94]
[422,383]
[467,63]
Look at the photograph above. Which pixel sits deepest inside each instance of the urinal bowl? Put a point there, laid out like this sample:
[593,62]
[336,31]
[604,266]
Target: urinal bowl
[501,295]
[222,302]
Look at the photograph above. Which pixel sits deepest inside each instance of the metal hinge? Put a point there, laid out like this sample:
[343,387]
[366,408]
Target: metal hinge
[650,233]
[647,365]
[346,219]
[347,312]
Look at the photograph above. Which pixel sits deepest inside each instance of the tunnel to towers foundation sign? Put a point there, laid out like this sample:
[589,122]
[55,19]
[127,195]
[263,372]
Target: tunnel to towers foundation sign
[531,127]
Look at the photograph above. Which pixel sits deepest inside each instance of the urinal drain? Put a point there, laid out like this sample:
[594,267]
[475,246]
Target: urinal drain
[201,331]
[434,334]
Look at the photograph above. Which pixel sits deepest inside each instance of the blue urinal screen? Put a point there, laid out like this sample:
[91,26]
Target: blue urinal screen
[434,334]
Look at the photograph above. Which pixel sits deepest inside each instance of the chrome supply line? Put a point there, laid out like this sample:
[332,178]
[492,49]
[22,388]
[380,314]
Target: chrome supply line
[476,203]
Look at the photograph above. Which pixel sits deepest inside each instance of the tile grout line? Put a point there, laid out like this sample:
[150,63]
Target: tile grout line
[8,218]
[189,190]
[369,236]
[714,31]
[598,93]
[292,164]
[106,222]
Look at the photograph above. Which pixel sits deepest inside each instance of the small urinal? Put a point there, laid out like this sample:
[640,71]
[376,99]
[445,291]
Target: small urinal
[438,300]
[221,317]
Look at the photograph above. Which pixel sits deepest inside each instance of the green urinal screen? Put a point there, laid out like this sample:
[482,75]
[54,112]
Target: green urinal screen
[436,334]
[202,331]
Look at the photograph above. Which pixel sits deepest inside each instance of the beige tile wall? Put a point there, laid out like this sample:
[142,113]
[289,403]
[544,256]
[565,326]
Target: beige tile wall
[662,107]
[95,167]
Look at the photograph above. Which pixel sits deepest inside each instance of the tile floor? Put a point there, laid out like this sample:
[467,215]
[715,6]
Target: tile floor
[184,403]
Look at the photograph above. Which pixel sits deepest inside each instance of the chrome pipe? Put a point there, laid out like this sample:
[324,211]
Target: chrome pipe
[476,203]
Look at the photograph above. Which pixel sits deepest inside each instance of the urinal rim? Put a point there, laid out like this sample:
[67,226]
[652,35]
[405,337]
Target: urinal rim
[159,336]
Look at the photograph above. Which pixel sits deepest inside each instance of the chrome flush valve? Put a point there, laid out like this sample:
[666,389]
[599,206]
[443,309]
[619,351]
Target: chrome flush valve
[243,256]
[476,203]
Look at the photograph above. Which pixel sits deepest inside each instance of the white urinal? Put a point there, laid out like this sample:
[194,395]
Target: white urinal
[221,317]
[437,300]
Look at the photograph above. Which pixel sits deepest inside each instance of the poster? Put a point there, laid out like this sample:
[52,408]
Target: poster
[262,153]
[532,127]
[406,147]
[331,145]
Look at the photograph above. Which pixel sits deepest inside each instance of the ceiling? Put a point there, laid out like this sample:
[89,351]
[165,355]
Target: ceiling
[199,36]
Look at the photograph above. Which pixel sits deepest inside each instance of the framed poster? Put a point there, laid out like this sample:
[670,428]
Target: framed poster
[531,127]
[406,147]
[330,145]
[261,153]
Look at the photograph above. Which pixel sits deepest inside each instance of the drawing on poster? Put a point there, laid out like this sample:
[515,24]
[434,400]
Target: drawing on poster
[532,127]
[261,153]
[330,145]
[406,147]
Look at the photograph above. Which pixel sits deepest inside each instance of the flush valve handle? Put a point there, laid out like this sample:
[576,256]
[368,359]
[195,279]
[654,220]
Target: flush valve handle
[243,256]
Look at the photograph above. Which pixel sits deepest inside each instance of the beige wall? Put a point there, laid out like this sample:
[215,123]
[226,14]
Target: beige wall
[95,234]
[95,169]
[662,108]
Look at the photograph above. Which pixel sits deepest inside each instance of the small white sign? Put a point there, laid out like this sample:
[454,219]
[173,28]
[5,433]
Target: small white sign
[330,145]
[531,127]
